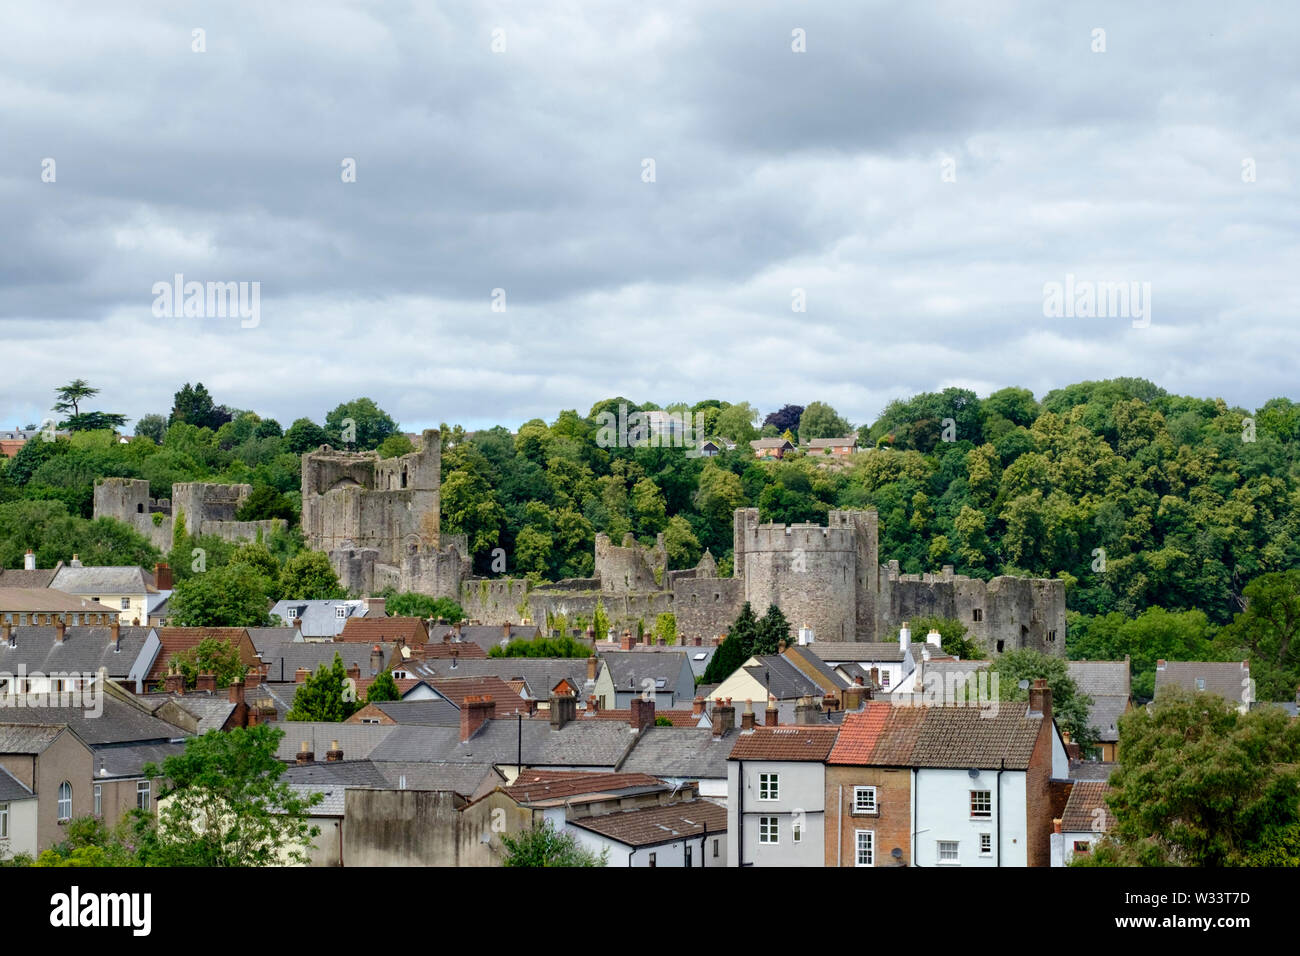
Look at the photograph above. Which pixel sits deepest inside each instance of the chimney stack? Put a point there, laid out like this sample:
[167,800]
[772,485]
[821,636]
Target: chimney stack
[237,692]
[206,684]
[771,716]
[253,678]
[7,632]
[334,754]
[162,577]
[505,630]
[60,630]
[354,671]
[305,754]
[643,713]
[376,660]
[474,711]
[300,675]
[724,717]
[115,634]
[174,682]
[780,646]
[697,707]
[904,637]
[564,708]
[593,666]
[805,712]
[628,641]
[934,638]
[76,561]
[699,641]
[1040,699]
[747,718]
[29,560]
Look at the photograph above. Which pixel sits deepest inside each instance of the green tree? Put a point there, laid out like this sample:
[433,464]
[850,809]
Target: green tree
[193,405]
[409,604]
[304,435]
[770,631]
[1200,784]
[210,656]
[224,804]
[666,628]
[395,446]
[819,420]
[563,646]
[71,396]
[328,695]
[231,596]
[737,648]
[383,688]
[737,423]
[1069,706]
[151,426]
[265,502]
[360,423]
[1268,630]
[89,842]
[952,633]
[543,845]
[600,621]
[309,576]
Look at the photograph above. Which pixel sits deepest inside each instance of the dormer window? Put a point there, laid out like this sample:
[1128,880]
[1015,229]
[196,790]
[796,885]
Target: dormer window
[341,612]
[292,612]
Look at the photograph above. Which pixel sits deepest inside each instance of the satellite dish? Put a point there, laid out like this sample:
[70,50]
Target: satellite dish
[1023,685]
[896,853]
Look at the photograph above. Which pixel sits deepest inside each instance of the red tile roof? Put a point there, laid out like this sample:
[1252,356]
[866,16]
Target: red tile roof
[1086,798]
[535,786]
[898,736]
[785,743]
[456,689]
[859,734]
[378,630]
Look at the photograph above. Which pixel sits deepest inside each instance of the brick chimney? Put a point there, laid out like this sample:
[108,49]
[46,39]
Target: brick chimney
[643,713]
[115,634]
[628,641]
[771,716]
[206,684]
[334,754]
[593,667]
[253,678]
[297,624]
[474,710]
[354,671]
[300,675]
[376,660]
[29,560]
[875,676]
[724,717]
[7,632]
[805,711]
[1040,698]
[697,707]
[174,682]
[699,641]
[162,577]
[747,718]
[1056,825]
[505,630]
[593,706]
[830,702]
[305,754]
[647,639]
[60,631]
[237,692]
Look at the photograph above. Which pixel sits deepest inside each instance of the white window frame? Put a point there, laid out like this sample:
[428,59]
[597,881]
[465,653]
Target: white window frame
[769,786]
[1200,683]
[796,832]
[884,678]
[126,604]
[955,859]
[4,821]
[65,817]
[858,808]
[143,795]
[769,833]
[291,613]
[986,838]
[981,814]
[857,847]
[341,612]
[99,800]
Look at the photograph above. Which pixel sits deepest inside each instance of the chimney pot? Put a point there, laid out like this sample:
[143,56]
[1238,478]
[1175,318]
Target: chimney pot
[29,560]
[301,675]
[334,754]
[237,692]
[771,716]
[747,718]
[724,717]
[305,754]
[206,683]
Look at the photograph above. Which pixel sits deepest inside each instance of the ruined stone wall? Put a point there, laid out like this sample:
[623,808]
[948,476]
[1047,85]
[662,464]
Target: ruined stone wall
[238,530]
[706,607]
[630,568]
[202,501]
[208,509]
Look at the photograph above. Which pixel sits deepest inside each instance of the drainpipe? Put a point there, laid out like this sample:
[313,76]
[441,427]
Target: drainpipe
[740,814]
[1001,767]
[916,803]
[839,830]
[704,840]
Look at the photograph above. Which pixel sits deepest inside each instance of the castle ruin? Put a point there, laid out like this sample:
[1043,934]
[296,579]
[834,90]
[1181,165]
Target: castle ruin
[207,508]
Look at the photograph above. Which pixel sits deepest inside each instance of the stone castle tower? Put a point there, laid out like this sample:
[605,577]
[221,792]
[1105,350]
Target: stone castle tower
[206,507]
[359,500]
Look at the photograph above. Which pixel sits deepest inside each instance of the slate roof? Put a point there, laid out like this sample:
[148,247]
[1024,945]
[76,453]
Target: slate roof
[319,617]
[20,739]
[770,443]
[266,638]
[580,743]
[1091,769]
[463,778]
[84,648]
[22,578]
[1086,797]
[120,722]
[129,760]
[11,788]
[106,580]
[650,826]
[836,652]
[1290,706]
[212,710]
[810,743]
[48,601]
[830,681]
[818,444]
[333,798]
[882,734]
[783,680]
[539,673]
[1109,685]
[1221,677]
[283,660]
[346,773]
[428,713]
[379,630]
[486,636]
[685,753]
[440,649]
[357,741]
[679,718]
[627,669]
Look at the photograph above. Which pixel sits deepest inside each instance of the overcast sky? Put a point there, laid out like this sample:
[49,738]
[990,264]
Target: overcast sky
[524,170]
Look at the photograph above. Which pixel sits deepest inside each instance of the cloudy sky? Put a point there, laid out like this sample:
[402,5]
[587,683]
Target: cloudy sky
[919,174]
